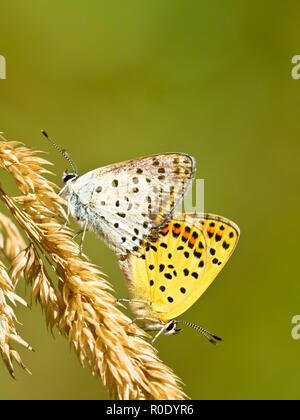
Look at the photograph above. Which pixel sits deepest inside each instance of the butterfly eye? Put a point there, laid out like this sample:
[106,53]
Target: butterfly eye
[171,328]
[68,176]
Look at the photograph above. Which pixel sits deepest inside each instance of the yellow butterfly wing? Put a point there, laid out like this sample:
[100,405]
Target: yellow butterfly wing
[175,271]
[221,237]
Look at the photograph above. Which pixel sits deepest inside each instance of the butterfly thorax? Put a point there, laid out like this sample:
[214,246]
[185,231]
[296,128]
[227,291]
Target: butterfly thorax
[76,207]
[81,210]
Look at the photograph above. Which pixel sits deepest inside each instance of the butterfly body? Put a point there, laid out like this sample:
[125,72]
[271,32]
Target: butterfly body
[125,203]
[172,273]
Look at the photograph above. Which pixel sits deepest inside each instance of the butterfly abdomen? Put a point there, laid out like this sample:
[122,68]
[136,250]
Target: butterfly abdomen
[77,209]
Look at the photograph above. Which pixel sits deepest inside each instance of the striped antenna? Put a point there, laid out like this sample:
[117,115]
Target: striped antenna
[210,337]
[62,151]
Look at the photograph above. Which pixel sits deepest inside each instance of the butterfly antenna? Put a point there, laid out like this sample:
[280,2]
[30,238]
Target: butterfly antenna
[62,151]
[210,337]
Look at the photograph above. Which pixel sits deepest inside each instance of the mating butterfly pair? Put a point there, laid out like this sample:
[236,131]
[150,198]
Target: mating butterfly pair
[168,259]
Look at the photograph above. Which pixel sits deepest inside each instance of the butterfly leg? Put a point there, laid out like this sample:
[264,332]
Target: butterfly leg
[123,300]
[83,235]
[62,190]
[77,234]
[142,319]
[158,334]
[68,215]
[146,302]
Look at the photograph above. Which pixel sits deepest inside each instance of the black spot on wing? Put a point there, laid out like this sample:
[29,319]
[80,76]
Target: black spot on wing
[225,245]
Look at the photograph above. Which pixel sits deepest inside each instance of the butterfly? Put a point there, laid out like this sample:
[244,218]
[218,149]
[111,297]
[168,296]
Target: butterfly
[172,273]
[125,203]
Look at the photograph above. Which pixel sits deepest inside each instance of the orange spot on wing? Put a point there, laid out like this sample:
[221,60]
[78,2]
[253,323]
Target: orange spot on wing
[176,230]
[192,240]
[210,232]
[165,230]
[186,235]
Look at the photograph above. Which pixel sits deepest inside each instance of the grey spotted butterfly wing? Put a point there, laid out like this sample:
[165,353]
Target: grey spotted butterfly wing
[126,202]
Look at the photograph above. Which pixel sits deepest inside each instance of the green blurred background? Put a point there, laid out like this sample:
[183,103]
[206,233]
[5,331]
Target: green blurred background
[112,81]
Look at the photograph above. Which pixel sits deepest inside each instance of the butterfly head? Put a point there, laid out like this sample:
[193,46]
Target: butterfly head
[68,176]
[171,328]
